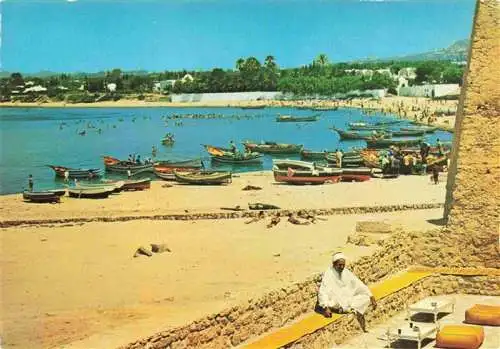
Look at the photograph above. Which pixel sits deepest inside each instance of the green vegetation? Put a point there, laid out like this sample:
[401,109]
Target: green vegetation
[318,78]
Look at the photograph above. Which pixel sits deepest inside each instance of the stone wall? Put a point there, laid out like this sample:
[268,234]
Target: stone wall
[226,96]
[473,190]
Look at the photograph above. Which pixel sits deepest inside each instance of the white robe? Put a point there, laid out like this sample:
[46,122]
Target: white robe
[346,291]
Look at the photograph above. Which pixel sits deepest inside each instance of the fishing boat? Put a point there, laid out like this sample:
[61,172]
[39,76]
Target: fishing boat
[289,118]
[307,154]
[117,186]
[139,184]
[387,122]
[356,126]
[58,192]
[167,141]
[386,143]
[41,196]
[76,172]
[347,160]
[407,133]
[238,158]
[165,169]
[273,148]
[318,175]
[351,135]
[361,174]
[426,129]
[90,193]
[283,164]
[204,177]
[253,107]
[123,166]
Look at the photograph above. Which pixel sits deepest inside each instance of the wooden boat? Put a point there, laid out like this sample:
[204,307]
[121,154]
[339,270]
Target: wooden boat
[167,141]
[203,177]
[361,126]
[116,186]
[165,169]
[253,107]
[191,163]
[121,166]
[426,129]
[355,178]
[388,122]
[307,154]
[386,143]
[167,173]
[283,164]
[289,118]
[90,193]
[58,192]
[274,148]
[76,172]
[311,176]
[139,184]
[350,135]
[407,133]
[347,161]
[41,196]
[215,150]
[238,158]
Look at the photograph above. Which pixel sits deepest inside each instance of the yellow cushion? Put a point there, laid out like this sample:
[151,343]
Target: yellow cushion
[482,314]
[460,337]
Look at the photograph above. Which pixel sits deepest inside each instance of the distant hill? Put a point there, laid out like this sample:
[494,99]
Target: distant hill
[457,51]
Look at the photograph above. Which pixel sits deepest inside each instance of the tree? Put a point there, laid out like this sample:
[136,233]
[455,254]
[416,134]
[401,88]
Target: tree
[322,60]
[16,79]
[453,74]
[240,63]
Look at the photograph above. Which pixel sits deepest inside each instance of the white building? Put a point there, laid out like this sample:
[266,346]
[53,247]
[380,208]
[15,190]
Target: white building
[430,90]
[111,87]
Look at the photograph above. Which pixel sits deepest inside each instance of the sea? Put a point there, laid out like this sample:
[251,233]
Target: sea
[32,138]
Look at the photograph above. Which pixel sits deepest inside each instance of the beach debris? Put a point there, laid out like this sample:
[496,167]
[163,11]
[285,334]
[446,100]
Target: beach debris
[235,208]
[292,219]
[261,206]
[142,251]
[160,248]
[251,187]
[277,255]
[166,185]
[274,221]
[259,217]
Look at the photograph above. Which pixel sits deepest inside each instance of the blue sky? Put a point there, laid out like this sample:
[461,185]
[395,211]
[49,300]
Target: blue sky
[94,35]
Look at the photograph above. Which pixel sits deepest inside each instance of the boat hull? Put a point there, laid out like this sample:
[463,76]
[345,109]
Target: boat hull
[385,143]
[41,197]
[203,178]
[305,177]
[274,148]
[90,193]
[141,184]
[76,173]
[225,159]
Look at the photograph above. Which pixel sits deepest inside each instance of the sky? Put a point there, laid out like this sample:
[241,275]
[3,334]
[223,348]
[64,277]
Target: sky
[158,35]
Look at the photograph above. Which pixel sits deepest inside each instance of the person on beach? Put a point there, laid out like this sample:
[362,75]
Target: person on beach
[338,157]
[342,292]
[232,146]
[66,176]
[138,160]
[153,151]
[30,182]
[129,173]
[439,147]
[435,173]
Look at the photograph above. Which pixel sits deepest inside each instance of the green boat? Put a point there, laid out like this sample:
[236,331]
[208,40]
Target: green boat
[386,143]
[273,148]
[407,133]
[362,126]
[204,177]
[367,135]
[426,129]
[238,158]
[289,118]
[307,154]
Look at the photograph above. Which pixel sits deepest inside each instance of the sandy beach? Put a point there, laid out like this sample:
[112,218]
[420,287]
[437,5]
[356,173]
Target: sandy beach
[405,107]
[85,289]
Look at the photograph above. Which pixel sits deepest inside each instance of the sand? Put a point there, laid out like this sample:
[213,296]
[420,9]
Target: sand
[179,198]
[77,285]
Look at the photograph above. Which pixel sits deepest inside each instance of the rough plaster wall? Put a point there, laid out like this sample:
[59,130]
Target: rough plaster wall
[473,190]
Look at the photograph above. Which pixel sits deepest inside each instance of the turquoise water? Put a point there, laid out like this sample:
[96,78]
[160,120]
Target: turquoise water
[31,138]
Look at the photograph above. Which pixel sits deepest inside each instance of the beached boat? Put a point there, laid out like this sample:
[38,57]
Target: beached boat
[426,129]
[165,169]
[319,175]
[351,135]
[307,154]
[387,122]
[407,133]
[58,192]
[139,184]
[238,158]
[386,143]
[41,196]
[90,193]
[117,186]
[121,166]
[362,126]
[273,148]
[76,172]
[347,160]
[289,118]
[203,177]
[283,164]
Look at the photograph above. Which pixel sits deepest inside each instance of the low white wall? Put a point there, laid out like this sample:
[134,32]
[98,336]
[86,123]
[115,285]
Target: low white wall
[436,90]
[229,96]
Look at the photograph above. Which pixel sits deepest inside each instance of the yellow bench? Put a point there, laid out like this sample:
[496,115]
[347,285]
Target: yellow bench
[313,322]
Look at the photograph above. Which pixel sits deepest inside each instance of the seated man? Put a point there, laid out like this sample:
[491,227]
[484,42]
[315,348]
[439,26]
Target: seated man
[342,292]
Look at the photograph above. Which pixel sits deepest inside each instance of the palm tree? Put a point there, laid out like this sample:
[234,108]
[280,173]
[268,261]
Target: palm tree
[240,63]
[269,62]
[322,60]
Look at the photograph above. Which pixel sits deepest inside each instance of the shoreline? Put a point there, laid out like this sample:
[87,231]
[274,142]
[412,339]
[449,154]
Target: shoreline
[405,107]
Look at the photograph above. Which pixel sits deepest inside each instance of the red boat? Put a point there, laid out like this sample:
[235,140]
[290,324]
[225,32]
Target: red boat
[355,178]
[306,177]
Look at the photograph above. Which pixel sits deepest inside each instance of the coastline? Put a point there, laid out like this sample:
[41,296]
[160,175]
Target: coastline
[404,107]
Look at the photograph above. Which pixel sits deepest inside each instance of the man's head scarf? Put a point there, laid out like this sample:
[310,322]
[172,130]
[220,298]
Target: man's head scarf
[337,256]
